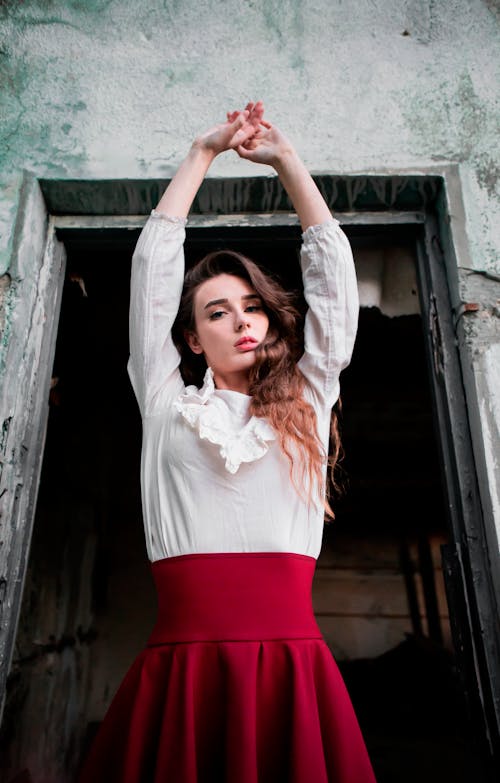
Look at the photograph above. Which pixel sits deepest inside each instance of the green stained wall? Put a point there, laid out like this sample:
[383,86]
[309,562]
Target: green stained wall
[104,90]
[116,89]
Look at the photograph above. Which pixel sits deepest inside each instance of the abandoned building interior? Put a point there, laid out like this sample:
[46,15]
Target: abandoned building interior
[379,593]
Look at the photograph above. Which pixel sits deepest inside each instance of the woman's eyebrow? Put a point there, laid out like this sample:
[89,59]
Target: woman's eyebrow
[225,301]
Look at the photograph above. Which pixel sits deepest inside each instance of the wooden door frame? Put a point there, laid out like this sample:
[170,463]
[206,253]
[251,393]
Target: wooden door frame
[423,202]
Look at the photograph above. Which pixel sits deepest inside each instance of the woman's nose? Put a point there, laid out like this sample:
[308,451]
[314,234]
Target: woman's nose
[241,321]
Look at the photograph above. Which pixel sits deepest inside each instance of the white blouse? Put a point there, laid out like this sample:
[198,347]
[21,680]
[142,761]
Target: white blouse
[214,478]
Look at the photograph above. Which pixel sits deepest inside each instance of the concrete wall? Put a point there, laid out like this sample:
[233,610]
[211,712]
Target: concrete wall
[107,89]
[117,89]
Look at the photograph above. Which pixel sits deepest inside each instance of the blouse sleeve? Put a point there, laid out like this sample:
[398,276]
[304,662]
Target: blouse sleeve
[331,292]
[155,293]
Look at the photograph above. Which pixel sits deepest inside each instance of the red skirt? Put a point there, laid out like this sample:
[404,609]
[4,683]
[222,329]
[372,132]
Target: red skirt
[236,684]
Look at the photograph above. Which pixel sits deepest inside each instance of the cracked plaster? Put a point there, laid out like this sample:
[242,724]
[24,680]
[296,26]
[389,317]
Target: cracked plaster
[107,89]
[112,89]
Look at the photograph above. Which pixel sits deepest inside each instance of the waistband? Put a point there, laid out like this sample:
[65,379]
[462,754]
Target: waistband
[234,597]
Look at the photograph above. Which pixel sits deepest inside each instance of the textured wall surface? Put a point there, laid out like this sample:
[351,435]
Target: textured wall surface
[110,89]
[100,89]
[107,88]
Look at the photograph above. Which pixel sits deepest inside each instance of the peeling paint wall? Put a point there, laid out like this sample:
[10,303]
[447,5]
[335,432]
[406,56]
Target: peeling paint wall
[115,89]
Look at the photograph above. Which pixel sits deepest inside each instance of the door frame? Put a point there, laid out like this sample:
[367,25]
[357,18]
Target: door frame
[426,202]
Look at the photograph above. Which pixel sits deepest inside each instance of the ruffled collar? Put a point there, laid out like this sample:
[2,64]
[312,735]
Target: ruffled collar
[214,421]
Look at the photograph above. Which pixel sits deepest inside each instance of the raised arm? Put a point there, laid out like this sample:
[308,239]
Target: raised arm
[158,267]
[178,197]
[269,145]
[328,273]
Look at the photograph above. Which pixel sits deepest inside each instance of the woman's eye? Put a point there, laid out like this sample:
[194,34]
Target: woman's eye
[253,308]
[216,315]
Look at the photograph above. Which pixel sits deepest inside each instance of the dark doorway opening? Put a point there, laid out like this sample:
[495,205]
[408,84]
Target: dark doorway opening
[390,527]
[89,603]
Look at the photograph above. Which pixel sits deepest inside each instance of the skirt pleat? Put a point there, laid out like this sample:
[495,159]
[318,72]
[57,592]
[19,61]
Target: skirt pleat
[235,711]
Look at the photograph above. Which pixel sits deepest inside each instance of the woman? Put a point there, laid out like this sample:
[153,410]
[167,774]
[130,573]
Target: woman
[236,683]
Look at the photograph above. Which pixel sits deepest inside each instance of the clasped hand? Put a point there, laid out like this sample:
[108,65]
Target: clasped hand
[246,132]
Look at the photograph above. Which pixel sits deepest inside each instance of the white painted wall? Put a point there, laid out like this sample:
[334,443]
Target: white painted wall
[109,88]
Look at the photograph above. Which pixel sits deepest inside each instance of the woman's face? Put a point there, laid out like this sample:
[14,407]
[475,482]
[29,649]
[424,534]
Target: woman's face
[229,324]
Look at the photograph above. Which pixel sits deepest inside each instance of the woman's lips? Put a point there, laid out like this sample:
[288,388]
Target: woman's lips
[246,344]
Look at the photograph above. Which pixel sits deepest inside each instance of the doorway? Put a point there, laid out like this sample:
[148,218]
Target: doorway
[108,214]
[89,603]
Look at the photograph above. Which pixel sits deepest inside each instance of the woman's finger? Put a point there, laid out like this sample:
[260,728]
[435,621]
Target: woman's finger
[243,152]
[257,113]
[240,119]
[241,137]
[259,109]
[250,144]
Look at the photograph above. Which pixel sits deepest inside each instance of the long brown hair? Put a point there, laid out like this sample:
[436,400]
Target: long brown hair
[276,384]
